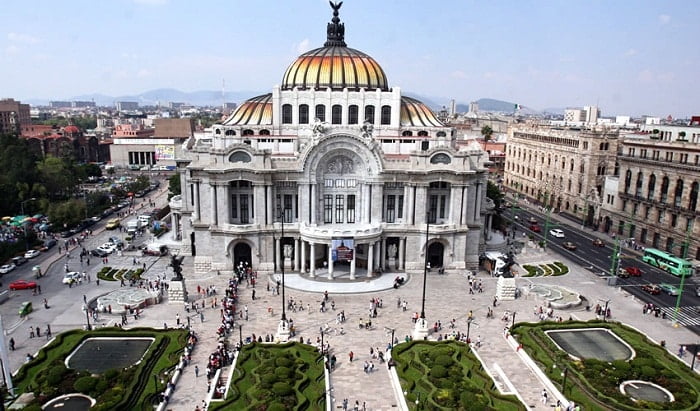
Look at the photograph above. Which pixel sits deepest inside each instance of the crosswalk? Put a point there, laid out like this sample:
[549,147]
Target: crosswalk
[689,315]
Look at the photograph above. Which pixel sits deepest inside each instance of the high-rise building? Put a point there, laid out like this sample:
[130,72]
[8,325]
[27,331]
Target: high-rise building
[13,116]
[333,156]
[126,106]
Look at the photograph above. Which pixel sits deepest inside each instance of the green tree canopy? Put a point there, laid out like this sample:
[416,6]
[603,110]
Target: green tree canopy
[57,176]
[487,132]
[174,186]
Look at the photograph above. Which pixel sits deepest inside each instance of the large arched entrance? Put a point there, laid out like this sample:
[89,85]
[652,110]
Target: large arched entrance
[607,224]
[242,254]
[436,251]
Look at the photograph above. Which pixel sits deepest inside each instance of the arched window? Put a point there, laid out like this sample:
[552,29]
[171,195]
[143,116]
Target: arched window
[693,200]
[664,189]
[640,182]
[441,134]
[286,114]
[651,187]
[320,112]
[218,131]
[230,132]
[337,114]
[678,196]
[422,133]
[628,181]
[303,114]
[239,157]
[407,133]
[386,115]
[264,132]
[369,114]
[353,111]
[247,132]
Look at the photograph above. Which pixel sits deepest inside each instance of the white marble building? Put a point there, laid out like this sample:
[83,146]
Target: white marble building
[333,153]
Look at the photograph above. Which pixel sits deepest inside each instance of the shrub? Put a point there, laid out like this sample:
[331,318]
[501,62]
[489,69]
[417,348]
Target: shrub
[283,373]
[438,371]
[282,389]
[85,384]
[444,360]
[55,374]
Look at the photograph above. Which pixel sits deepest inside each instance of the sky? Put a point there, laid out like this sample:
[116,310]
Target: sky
[629,57]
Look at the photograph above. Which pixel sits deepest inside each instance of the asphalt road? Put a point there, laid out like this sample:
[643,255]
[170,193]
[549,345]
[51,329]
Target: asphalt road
[598,260]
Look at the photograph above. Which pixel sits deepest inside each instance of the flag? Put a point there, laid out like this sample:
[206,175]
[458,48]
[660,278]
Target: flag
[518,107]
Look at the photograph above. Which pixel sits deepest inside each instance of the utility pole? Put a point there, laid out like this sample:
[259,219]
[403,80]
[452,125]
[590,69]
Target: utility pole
[686,246]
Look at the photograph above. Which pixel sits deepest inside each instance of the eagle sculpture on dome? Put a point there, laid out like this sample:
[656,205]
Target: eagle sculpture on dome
[335,7]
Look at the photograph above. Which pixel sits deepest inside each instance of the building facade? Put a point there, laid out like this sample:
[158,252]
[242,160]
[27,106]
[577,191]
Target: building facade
[136,146]
[563,168]
[13,116]
[332,172]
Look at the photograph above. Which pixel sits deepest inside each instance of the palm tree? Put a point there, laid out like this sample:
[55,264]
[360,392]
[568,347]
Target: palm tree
[486,131]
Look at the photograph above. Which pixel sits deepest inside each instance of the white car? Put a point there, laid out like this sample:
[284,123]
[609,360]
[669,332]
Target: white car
[7,268]
[31,254]
[555,232]
[108,247]
[71,277]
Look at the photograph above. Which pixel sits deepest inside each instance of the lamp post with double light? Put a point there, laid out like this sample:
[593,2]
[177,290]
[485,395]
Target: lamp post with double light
[421,330]
[283,327]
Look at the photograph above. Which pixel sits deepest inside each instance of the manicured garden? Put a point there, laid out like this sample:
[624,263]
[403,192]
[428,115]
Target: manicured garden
[130,388]
[595,384]
[276,377]
[117,274]
[544,270]
[446,375]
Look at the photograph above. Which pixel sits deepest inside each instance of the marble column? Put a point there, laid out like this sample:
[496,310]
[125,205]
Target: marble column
[376,193]
[370,259]
[411,205]
[312,263]
[402,250]
[464,219]
[330,262]
[214,214]
[314,204]
[382,258]
[470,203]
[278,263]
[406,206]
[353,264]
[296,254]
[421,204]
[477,202]
[222,200]
[269,216]
[366,202]
[197,209]
[303,194]
[303,256]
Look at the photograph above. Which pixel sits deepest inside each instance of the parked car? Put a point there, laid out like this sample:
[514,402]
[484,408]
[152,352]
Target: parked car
[49,244]
[669,289]
[31,254]
[109,248]
[532,220]
[535,228]
[19,260]
[652,289]
[569,245]
[555,232]
[22,285]
[116,241]
[633,271]
[99,252]
[7,268]
[697,291]
[112,224]
[598,242]
[71,277]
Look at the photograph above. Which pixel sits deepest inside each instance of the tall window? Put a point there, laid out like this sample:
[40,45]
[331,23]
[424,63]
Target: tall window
[390,212]
[288,209]
[640,183]
[369,114]
[328,208]
[628,181]
[286,114]
[339,208]
[433,209]
[320,112]
[679,193]
[651,187]
[693,200]
[351,208]
[244,209]
[303,114]
[386,114]
[353,112]
[664,189]
[337,114]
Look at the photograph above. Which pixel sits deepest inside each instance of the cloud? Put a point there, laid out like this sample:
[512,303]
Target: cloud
[303,46]
[630,53]
[151,2]
[22,38]
[12,49]
[459,74]
[664,18]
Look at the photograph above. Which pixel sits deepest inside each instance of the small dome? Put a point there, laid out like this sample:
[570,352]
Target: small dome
[255,111]
[71,129]
[416,114]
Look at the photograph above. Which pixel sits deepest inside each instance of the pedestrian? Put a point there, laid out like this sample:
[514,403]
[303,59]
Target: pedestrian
[46,304]
[84,298]
[177,319]
[253,294]
[201,316]
[350,354]
[38,332]
[544,396]
[345,404]
[196,371]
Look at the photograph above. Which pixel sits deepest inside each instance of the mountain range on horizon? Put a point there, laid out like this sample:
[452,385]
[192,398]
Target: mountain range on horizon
[215,98]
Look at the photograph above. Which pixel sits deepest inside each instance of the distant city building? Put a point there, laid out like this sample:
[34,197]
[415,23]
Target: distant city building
[13,116]
[60,104]
[473,107]
[175,106]
[83,104]
[126,106]
[68,142]
[158,147]
[587,115]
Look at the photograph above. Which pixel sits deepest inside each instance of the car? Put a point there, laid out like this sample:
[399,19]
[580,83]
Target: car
[71,277]
[697,291]
[116,241]
[19,260]
[536,228]
[66,234]
[96,218]
[555,232]
[652,289]
[98,252]
[633,271]
[7,268]
[669,289]
[49,244]
[112,224]
[598,242]
[31,254]
[569,245]
[108,247]
[22,285]
[532,220]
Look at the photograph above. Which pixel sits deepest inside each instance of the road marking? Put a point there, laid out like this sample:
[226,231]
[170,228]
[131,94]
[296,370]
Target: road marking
[687,315]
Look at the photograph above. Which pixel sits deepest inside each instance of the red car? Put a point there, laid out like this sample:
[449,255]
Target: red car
[598,242]
[536,228]
[22,285]
[633,271]
[651,289]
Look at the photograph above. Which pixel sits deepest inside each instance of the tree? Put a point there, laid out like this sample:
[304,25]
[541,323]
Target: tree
[174,186]
[487,132]
[19,174]
[67,213]
[57,176]
[494,194]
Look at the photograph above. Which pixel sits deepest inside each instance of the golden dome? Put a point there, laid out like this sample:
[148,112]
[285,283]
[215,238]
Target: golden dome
[416,114]
[335,65]
[255,111]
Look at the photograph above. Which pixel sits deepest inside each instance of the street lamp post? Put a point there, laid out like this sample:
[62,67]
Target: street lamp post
[240,335]
[563,382]
[686,245]
[421,330]
[322,341]
[24,225]
[513,323]
[469,326]
[283,327]
[87,316]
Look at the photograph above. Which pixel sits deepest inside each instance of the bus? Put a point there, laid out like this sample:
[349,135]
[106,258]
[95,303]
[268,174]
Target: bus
[667,262]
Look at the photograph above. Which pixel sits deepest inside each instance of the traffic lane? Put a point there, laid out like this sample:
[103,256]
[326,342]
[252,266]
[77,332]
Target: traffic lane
[634,285]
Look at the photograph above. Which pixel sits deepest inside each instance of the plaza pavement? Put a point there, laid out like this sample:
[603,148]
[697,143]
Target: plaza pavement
[446,298]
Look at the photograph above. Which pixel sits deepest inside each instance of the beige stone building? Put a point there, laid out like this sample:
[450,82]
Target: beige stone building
[561,167]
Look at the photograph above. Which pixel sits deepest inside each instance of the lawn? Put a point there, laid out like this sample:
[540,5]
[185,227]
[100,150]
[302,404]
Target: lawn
[594,384]
[276,377]
[129,388]
[447,376]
